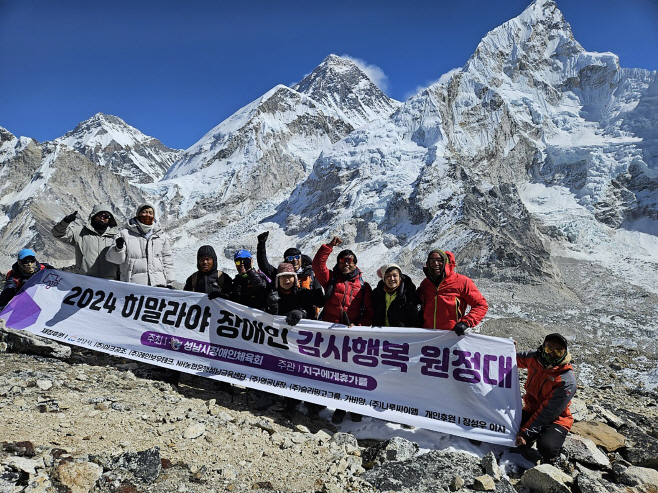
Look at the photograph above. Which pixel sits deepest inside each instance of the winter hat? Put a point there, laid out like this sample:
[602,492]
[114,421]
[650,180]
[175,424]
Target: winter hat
[443,254]
[381,272]
[26,252]
[207,251]
[285,269]
[291,252]
[557,338]
[347,253]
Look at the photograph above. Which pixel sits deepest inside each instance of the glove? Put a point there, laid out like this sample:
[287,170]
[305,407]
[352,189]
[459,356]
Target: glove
[120,242]
[262,238]
[294,317]
[71,217]
[214,294]
[460,328]
[170,286]
[273,302]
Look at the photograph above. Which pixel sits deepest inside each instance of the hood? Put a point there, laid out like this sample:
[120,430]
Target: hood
[448,260]
[145,204]
[207,250]
[104,208]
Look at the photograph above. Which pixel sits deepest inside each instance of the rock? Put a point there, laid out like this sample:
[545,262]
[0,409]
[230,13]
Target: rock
[579,409]
[322,436]
[641,449]
[23,449]
[22,341]
[28,466]
[222,415]
[193,431]
[429,472]
[600,433]
[78,477]
[609,416]
[456,484]
[584,450]
[145,465]
[635,475]
[490,466]
[394,449]
[546,479]
[44,384]
[342,439]
[302,429]
[264,424]
[484,483]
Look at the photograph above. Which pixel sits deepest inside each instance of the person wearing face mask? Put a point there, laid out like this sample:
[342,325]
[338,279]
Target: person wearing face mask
[347,298]
[142,251]
[91,241]
[549,388]
[25,267]
[394,300]
[208,279]
[445,295]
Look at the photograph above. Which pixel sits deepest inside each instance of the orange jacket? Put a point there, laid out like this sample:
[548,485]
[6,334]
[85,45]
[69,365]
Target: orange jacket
[548,393]
[445,305]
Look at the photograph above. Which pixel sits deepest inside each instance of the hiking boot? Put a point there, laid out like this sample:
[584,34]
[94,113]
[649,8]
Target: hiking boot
[338,417]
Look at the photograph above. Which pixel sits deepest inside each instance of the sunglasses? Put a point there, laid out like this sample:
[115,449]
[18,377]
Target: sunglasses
[554,352]
[241,261]
[293,257]
[346,260]
[28,260]
[103,215]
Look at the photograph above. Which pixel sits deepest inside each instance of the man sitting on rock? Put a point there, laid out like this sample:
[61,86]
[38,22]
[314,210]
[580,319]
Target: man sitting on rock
[549,388]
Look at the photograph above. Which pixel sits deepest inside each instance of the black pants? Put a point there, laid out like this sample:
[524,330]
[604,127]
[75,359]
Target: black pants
[550,438]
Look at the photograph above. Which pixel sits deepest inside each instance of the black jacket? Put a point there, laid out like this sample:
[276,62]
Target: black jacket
[279,303]
[208,282]
[306,277]
[250,290]
[15,280]
[405,310]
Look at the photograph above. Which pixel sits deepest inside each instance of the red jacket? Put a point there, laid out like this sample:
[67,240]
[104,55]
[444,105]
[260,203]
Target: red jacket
[445,305]
[343,296]
[548,393]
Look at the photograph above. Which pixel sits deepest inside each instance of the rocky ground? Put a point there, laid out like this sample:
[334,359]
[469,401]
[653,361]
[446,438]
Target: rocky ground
[72,420]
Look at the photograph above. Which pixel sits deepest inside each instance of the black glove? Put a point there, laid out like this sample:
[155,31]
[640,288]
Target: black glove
[273,302]
[460,328]
[170,286]
[214,294]
[120,242]
[294,317]
[71,217]
[262,238]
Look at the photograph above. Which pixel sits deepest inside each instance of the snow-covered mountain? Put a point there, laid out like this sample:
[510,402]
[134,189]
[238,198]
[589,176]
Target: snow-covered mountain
[109,141]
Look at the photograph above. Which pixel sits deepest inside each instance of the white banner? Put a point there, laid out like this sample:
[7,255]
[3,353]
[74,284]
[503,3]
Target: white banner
[466,386]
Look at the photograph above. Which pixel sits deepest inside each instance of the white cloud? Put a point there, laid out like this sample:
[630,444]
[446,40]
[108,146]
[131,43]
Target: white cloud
[444,79]
[374,73]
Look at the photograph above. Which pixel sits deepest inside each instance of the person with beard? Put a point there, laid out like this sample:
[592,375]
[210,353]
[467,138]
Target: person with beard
[91,241]
[301,264]
[25,267]
[445,296]
[142,251]
[208,279]
[295,303]
[347,299]
[394,300]
[549,388]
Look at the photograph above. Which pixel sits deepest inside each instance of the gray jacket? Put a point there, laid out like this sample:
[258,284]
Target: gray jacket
[144,259]
[90,246]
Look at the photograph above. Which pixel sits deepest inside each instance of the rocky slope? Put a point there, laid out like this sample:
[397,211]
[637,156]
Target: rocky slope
[75,420]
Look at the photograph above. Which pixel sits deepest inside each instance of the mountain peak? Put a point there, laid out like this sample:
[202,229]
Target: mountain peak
[341,85]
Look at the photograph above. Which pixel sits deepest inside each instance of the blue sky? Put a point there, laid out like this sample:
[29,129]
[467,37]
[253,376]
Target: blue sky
[176,69]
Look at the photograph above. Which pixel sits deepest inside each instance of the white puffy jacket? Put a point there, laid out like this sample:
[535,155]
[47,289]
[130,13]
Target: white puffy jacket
[143,260]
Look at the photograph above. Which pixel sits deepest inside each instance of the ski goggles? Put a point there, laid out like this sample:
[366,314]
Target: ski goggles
[290,258]
[103,215]
[554,352]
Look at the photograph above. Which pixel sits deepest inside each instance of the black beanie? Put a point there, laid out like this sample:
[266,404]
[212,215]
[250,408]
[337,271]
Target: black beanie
[291,252]
[557,337]
[207,251]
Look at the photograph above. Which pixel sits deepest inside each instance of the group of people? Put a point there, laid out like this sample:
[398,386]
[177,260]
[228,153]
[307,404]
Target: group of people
[303,288]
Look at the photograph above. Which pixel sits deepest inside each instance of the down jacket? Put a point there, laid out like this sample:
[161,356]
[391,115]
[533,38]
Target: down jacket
[90,246]
[404,310]
[445,305]
[548,393]
[16,279]
[348,300]
[143,260]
